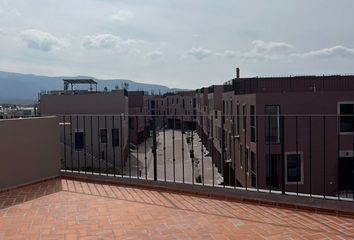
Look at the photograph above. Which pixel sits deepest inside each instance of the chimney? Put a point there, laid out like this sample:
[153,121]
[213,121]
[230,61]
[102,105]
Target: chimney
[237,72]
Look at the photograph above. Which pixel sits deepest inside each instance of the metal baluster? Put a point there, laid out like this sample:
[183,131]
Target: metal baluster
[310,157]
[173,149]
[121,145]
[71,144]
[352,166]
[64,142]
[164,146]
[229,163]
[248,152]
[212,154]
[84,123]
[269,157]
[154,146]
[202,147]
[193,173]
[234,147]
[283,154]
[297,153]
[98,145]
[113,149]
[145,137]
[182,149]
[129,152]
[137,148]
[338,156]
[78,152]
[106,154]
[91,141]
[324,156]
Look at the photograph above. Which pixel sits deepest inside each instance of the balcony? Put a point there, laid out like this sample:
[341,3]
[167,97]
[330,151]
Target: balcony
[158,189]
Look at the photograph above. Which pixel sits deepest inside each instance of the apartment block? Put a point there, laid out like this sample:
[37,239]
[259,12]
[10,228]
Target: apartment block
[96,126]
[180,109]
[139,120]
[274,133]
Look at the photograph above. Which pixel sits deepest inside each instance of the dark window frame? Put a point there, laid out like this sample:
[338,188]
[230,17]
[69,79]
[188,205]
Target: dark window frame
[269,138]
[79,145]
[115,137]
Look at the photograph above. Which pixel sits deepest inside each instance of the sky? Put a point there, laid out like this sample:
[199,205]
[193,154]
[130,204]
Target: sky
[177,43]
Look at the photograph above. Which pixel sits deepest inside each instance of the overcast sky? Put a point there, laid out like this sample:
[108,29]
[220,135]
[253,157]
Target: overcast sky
[178,43]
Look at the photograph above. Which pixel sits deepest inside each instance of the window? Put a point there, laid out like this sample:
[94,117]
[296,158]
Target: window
[253,123]
[183,103]
[194,102]
[115,137]
[294,167]
[272,124]
[79,140]
[103,136]
[152,104]
[346,112]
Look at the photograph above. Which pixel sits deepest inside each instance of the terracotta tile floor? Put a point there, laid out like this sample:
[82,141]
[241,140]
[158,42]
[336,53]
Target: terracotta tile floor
[66,209]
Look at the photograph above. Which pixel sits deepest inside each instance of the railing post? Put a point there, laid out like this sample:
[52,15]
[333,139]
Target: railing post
[154,145]
[282,154]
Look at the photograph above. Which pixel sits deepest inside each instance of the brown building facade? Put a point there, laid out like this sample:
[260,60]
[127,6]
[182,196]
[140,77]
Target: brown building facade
[94,128]
[290,134]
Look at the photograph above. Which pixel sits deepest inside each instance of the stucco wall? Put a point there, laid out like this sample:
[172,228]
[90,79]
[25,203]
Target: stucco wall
[29,150]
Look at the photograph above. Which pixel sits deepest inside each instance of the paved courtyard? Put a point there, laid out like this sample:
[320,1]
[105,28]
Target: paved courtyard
[174,169]
[69,209]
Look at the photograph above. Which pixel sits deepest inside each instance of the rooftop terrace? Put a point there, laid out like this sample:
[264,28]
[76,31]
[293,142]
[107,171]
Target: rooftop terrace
[70,209]
[46,194]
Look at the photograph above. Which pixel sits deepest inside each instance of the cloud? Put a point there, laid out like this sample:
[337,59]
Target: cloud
[154,55]
[199,53]
[262,50]
[121,16]
[335,51]
[105,41]
[260,46]
[227,54]
[112,42]
[42,41]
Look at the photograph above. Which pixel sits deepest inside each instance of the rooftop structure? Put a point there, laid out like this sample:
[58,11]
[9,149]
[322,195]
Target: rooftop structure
[73,82]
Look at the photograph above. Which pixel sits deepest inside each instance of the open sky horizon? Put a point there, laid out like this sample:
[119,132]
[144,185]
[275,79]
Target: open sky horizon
[177,43]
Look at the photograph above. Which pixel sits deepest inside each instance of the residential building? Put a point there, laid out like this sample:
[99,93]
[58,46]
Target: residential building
[276,132]
[96,126]
[139,120]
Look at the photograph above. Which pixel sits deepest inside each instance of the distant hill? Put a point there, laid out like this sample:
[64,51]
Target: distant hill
[24,88]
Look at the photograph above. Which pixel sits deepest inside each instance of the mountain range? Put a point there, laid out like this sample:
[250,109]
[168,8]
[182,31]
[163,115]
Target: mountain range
[24,88]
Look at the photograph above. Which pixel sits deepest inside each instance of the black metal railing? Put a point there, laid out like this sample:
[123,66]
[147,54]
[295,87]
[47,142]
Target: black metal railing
[304,155]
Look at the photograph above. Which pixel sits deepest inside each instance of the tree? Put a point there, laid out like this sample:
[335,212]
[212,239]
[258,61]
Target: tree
[116,87]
